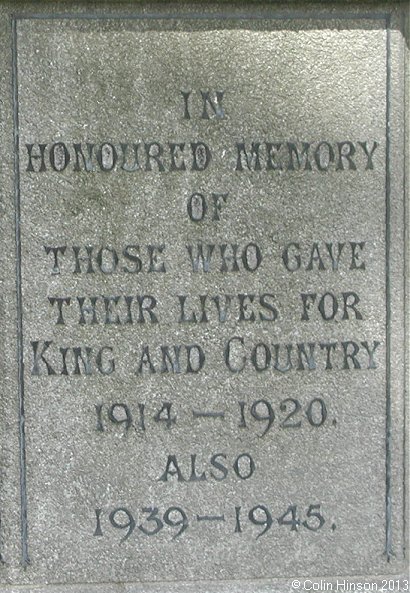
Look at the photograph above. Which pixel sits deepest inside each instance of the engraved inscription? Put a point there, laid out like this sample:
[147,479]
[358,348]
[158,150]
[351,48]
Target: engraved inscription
[204,304]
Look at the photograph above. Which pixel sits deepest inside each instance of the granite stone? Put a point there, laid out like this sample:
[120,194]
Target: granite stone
[204,239]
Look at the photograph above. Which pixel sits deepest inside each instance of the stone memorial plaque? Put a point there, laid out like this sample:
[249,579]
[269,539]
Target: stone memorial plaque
[203,269]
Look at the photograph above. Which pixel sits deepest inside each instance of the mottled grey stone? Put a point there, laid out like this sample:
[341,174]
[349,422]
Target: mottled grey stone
[232,426]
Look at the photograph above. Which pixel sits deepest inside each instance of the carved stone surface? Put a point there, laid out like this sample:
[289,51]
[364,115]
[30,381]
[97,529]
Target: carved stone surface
[203,356]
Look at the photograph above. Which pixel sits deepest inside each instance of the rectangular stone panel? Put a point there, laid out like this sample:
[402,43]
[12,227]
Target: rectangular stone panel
[204,260]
